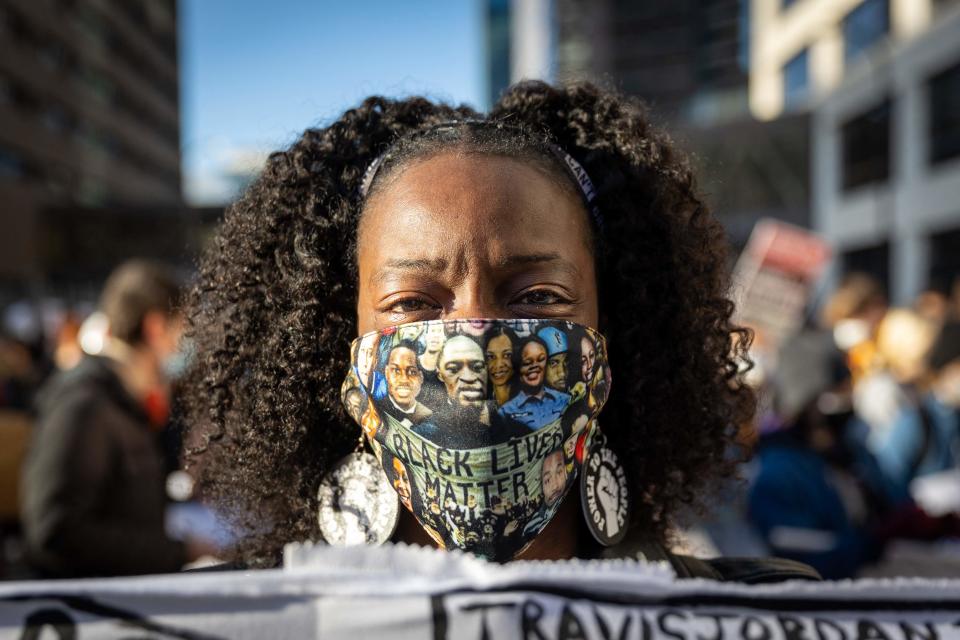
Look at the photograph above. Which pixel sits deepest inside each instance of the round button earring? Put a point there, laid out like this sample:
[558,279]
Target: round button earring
[357,503]
[605,493]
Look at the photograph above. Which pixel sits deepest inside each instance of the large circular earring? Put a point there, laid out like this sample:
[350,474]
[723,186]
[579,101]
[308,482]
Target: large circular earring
[357,503]
[605,493]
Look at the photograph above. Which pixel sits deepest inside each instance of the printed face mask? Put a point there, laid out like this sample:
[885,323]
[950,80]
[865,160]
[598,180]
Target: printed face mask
[480,425]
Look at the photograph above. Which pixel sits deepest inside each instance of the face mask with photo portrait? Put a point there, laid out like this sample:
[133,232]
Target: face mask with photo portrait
[480,425]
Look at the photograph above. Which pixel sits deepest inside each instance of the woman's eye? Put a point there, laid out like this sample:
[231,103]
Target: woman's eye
[540,297]
[410,305]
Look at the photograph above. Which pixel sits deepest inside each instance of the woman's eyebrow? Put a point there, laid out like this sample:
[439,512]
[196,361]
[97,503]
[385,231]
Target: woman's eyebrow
[419,264]
[431,265]
[439,265]
[515,260]
[554,260]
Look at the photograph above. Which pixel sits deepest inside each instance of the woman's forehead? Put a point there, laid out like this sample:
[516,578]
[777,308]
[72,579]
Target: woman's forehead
[455,204]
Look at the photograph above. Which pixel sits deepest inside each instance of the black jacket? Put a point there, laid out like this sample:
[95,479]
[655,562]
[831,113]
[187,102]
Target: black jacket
[743,570]
[92,490]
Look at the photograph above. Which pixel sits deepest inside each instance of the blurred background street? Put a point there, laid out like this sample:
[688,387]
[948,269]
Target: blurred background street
[825,135]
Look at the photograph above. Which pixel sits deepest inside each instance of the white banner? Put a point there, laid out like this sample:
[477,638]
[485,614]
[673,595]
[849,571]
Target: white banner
[405,593]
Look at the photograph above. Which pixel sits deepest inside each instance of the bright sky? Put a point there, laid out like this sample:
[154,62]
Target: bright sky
[254,74]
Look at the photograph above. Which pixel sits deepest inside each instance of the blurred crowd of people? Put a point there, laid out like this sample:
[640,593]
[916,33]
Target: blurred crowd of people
[857,447]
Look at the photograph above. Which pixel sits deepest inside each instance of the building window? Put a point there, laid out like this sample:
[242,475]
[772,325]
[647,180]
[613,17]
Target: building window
[101,144]
[100,85]
[743,35]
[92,193]
[796,80]
[939,5]
[11,167]
[52,56]
[865,142]
[944,134]
[56,120]
[92,26]
[945,259]
[864,27]
[873,261]
[7,91]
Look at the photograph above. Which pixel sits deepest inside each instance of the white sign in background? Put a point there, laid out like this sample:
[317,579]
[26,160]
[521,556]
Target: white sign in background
[406,593]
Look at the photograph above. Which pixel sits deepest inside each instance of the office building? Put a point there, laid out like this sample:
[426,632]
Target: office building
[89,124]
[686,58]
[885,134]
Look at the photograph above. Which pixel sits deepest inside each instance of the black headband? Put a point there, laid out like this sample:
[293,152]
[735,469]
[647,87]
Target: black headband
[576,171]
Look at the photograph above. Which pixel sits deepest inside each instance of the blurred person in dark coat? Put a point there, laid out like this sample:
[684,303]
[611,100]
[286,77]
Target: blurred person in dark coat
[93,496]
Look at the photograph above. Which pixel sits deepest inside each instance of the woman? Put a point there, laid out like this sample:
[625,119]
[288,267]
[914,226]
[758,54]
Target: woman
[561,204]
[498,351]
[533,362]
[535,404]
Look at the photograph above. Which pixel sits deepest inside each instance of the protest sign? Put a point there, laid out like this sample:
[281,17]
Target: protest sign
[774,277]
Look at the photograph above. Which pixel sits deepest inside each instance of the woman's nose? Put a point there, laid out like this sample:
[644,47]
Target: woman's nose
[475,300]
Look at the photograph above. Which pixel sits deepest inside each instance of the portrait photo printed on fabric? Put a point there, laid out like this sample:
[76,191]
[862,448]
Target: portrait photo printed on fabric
[480,425]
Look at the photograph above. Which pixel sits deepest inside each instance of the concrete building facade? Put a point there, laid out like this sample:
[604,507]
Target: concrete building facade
[89,116]
[686,58]
[886,155]
[800,49]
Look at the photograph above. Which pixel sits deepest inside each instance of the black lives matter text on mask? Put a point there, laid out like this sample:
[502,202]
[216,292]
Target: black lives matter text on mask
[510,469]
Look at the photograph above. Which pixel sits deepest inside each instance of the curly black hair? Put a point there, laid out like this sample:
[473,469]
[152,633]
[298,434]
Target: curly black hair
[273,311]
